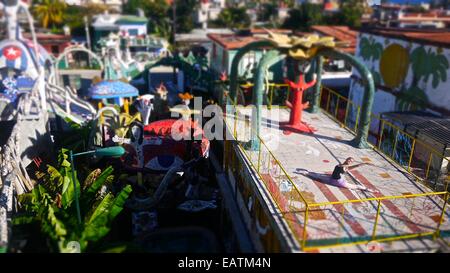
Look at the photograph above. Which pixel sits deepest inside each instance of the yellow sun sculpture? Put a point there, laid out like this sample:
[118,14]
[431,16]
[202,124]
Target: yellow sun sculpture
[301,48]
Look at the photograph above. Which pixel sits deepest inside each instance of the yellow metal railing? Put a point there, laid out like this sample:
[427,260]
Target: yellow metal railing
[297,210]
[417,149]
[271,90]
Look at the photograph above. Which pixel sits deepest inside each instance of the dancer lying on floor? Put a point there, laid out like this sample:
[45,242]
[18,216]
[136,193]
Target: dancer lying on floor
[338,180]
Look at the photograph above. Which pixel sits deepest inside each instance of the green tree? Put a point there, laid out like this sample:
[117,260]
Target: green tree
[73,16]
[267,11]
[350,13]
[156,12]
[184,17]
[49,12]
[304,17]
[234,18]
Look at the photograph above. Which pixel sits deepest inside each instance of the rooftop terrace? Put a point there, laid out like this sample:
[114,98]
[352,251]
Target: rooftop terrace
[326,218]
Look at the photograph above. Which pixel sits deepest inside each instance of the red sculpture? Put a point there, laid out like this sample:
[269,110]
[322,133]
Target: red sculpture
[297,106]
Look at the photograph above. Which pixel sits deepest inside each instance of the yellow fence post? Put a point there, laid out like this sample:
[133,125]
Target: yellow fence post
[395,144]
[304,227]
[374,232]
[428,165]
[441,218]
[380,139]
[337,108]
[328,101]
[411,155]
[346,113]
[259,154]
[357,118]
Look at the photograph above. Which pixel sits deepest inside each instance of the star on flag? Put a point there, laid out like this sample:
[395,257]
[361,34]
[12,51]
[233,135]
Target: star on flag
[11,53]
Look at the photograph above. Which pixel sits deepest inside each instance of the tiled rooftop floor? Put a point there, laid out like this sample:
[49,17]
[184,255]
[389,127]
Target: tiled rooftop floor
[319,153]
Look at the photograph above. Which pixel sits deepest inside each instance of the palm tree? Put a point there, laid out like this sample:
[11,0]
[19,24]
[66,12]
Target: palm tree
[50,12]
[428,64]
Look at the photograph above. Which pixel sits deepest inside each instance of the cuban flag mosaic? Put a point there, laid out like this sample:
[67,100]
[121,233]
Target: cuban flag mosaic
[13,57]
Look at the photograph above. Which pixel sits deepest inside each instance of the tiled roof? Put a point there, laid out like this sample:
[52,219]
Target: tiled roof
[232,41]
[263,31]
[341,34]
[49,36]
[429,37]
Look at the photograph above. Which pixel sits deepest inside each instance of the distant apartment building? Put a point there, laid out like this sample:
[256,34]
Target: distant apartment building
[328,5]
[113,4]
[127,25]
[402,16]
[209,10]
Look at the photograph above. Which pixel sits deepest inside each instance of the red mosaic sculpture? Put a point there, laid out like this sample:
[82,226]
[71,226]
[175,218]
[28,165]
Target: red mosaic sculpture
[295,124]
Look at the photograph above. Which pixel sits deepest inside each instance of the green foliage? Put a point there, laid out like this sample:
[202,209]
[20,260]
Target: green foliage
[412,99]
[156,11]
[49,12]
[307,15]
[370,49]
[185,11]
[428,64]
[234,18]
[77,137]
[268,11]
[304,17]
[351,12]
[73,16]
[51,204]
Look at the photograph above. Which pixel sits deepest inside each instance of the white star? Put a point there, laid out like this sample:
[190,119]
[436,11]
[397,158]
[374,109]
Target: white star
[11,52]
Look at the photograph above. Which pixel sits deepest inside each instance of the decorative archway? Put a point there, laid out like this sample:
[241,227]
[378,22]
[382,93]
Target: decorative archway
[72,49]
[274,55]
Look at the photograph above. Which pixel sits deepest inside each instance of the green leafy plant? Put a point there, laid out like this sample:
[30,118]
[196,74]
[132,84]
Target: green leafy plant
[370,49]
[77,138]
[52,205]
[427,63]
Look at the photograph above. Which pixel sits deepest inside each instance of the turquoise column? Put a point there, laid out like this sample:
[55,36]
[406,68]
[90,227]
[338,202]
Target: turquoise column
[360,141]
[234,73]
[270,58]
[316,97]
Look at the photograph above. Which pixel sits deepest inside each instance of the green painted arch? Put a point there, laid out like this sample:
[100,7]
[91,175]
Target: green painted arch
[236,61]
[360,141]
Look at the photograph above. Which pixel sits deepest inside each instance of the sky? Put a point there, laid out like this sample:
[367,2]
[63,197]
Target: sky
[410,1]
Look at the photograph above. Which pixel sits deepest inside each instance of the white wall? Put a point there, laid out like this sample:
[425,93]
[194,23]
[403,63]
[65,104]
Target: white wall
[437,96]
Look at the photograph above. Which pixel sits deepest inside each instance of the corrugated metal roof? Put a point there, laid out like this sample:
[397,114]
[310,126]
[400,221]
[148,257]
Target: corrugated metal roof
[424,125]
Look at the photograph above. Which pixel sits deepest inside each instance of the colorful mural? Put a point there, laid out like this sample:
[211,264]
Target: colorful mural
[408,75]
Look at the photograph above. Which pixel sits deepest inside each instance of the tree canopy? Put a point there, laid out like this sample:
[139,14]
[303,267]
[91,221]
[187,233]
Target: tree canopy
[306,15]
[49,12]
[233,17]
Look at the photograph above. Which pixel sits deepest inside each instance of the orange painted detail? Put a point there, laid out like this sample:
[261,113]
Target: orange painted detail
[366,159]
[436,218]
